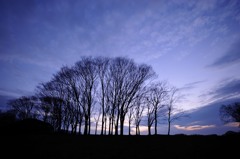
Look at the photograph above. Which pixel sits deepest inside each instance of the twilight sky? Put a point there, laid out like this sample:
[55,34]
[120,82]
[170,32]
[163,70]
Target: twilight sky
[194,45]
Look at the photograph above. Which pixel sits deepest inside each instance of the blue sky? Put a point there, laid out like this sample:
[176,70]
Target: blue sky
[194,45]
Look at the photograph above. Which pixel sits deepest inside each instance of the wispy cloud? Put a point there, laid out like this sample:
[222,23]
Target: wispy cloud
[205,119]
[3,101]
[232,124]
[225,89]
[14,93]
[193,127]
[231,57]
[141,29]
[192,85]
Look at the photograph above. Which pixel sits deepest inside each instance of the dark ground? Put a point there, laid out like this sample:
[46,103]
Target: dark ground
[110,147]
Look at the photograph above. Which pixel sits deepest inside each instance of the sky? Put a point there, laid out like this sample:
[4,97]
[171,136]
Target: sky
[194,45]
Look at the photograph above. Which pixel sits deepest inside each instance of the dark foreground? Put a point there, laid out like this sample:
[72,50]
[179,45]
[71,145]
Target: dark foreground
[110,147]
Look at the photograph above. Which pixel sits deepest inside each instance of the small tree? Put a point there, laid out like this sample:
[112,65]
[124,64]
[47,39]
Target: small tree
[230,113]
[173,113]
[157,93]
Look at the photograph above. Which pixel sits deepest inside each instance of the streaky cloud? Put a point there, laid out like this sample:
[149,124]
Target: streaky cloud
[205,120]
[231,57]
[227,89]
[14,93]
[3,101]
[192,85]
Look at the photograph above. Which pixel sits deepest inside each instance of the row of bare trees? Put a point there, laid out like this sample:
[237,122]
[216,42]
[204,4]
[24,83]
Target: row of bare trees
[112,91]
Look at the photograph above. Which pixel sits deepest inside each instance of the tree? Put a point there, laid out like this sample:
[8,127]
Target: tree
[116,87]
[126,80]
[130,118]
[51,95]
[87,71]
[173,113]
[73,112]
[156,95]
[23,106]
[96,117]
[139,106]
[230,113]
[102,68]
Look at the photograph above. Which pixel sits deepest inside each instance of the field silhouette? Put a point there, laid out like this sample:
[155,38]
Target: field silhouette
[60,145]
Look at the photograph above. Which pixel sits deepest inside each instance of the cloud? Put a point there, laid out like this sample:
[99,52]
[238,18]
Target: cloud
[144,30]
[206,4]
[193,127]
[232,124]
[205,120]
[226,89]
[192,85]
[206,114]
[231,57]
[14,93]
[3,101]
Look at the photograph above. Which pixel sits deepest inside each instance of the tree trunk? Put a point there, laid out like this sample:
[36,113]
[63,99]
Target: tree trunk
[149,130]
[155,119]
[105,127]
[138,130]
[116,126]
[103,118]
[86,126]
[129,128]
[169,124]
[121,126]
[80,127]
[96,128]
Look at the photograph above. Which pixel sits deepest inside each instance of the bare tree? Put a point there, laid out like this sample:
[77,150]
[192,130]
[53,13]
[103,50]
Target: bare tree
[114,84]
[130,118]
[127,79]
[23,106]
[139,106]
[173,113]
[96,117]
[73,85]
[156,96]
[87,72]
[52,94]
[44,109]
[150,116]
[102,65]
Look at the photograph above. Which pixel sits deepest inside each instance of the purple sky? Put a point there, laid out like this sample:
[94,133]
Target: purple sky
[194,45]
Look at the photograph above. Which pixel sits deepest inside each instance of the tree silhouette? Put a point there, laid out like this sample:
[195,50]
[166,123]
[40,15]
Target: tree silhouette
[100,91]
[87,72]
[173,113]
[139,107]
[102,65]
[23,106]
[230,113]
[156,95]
